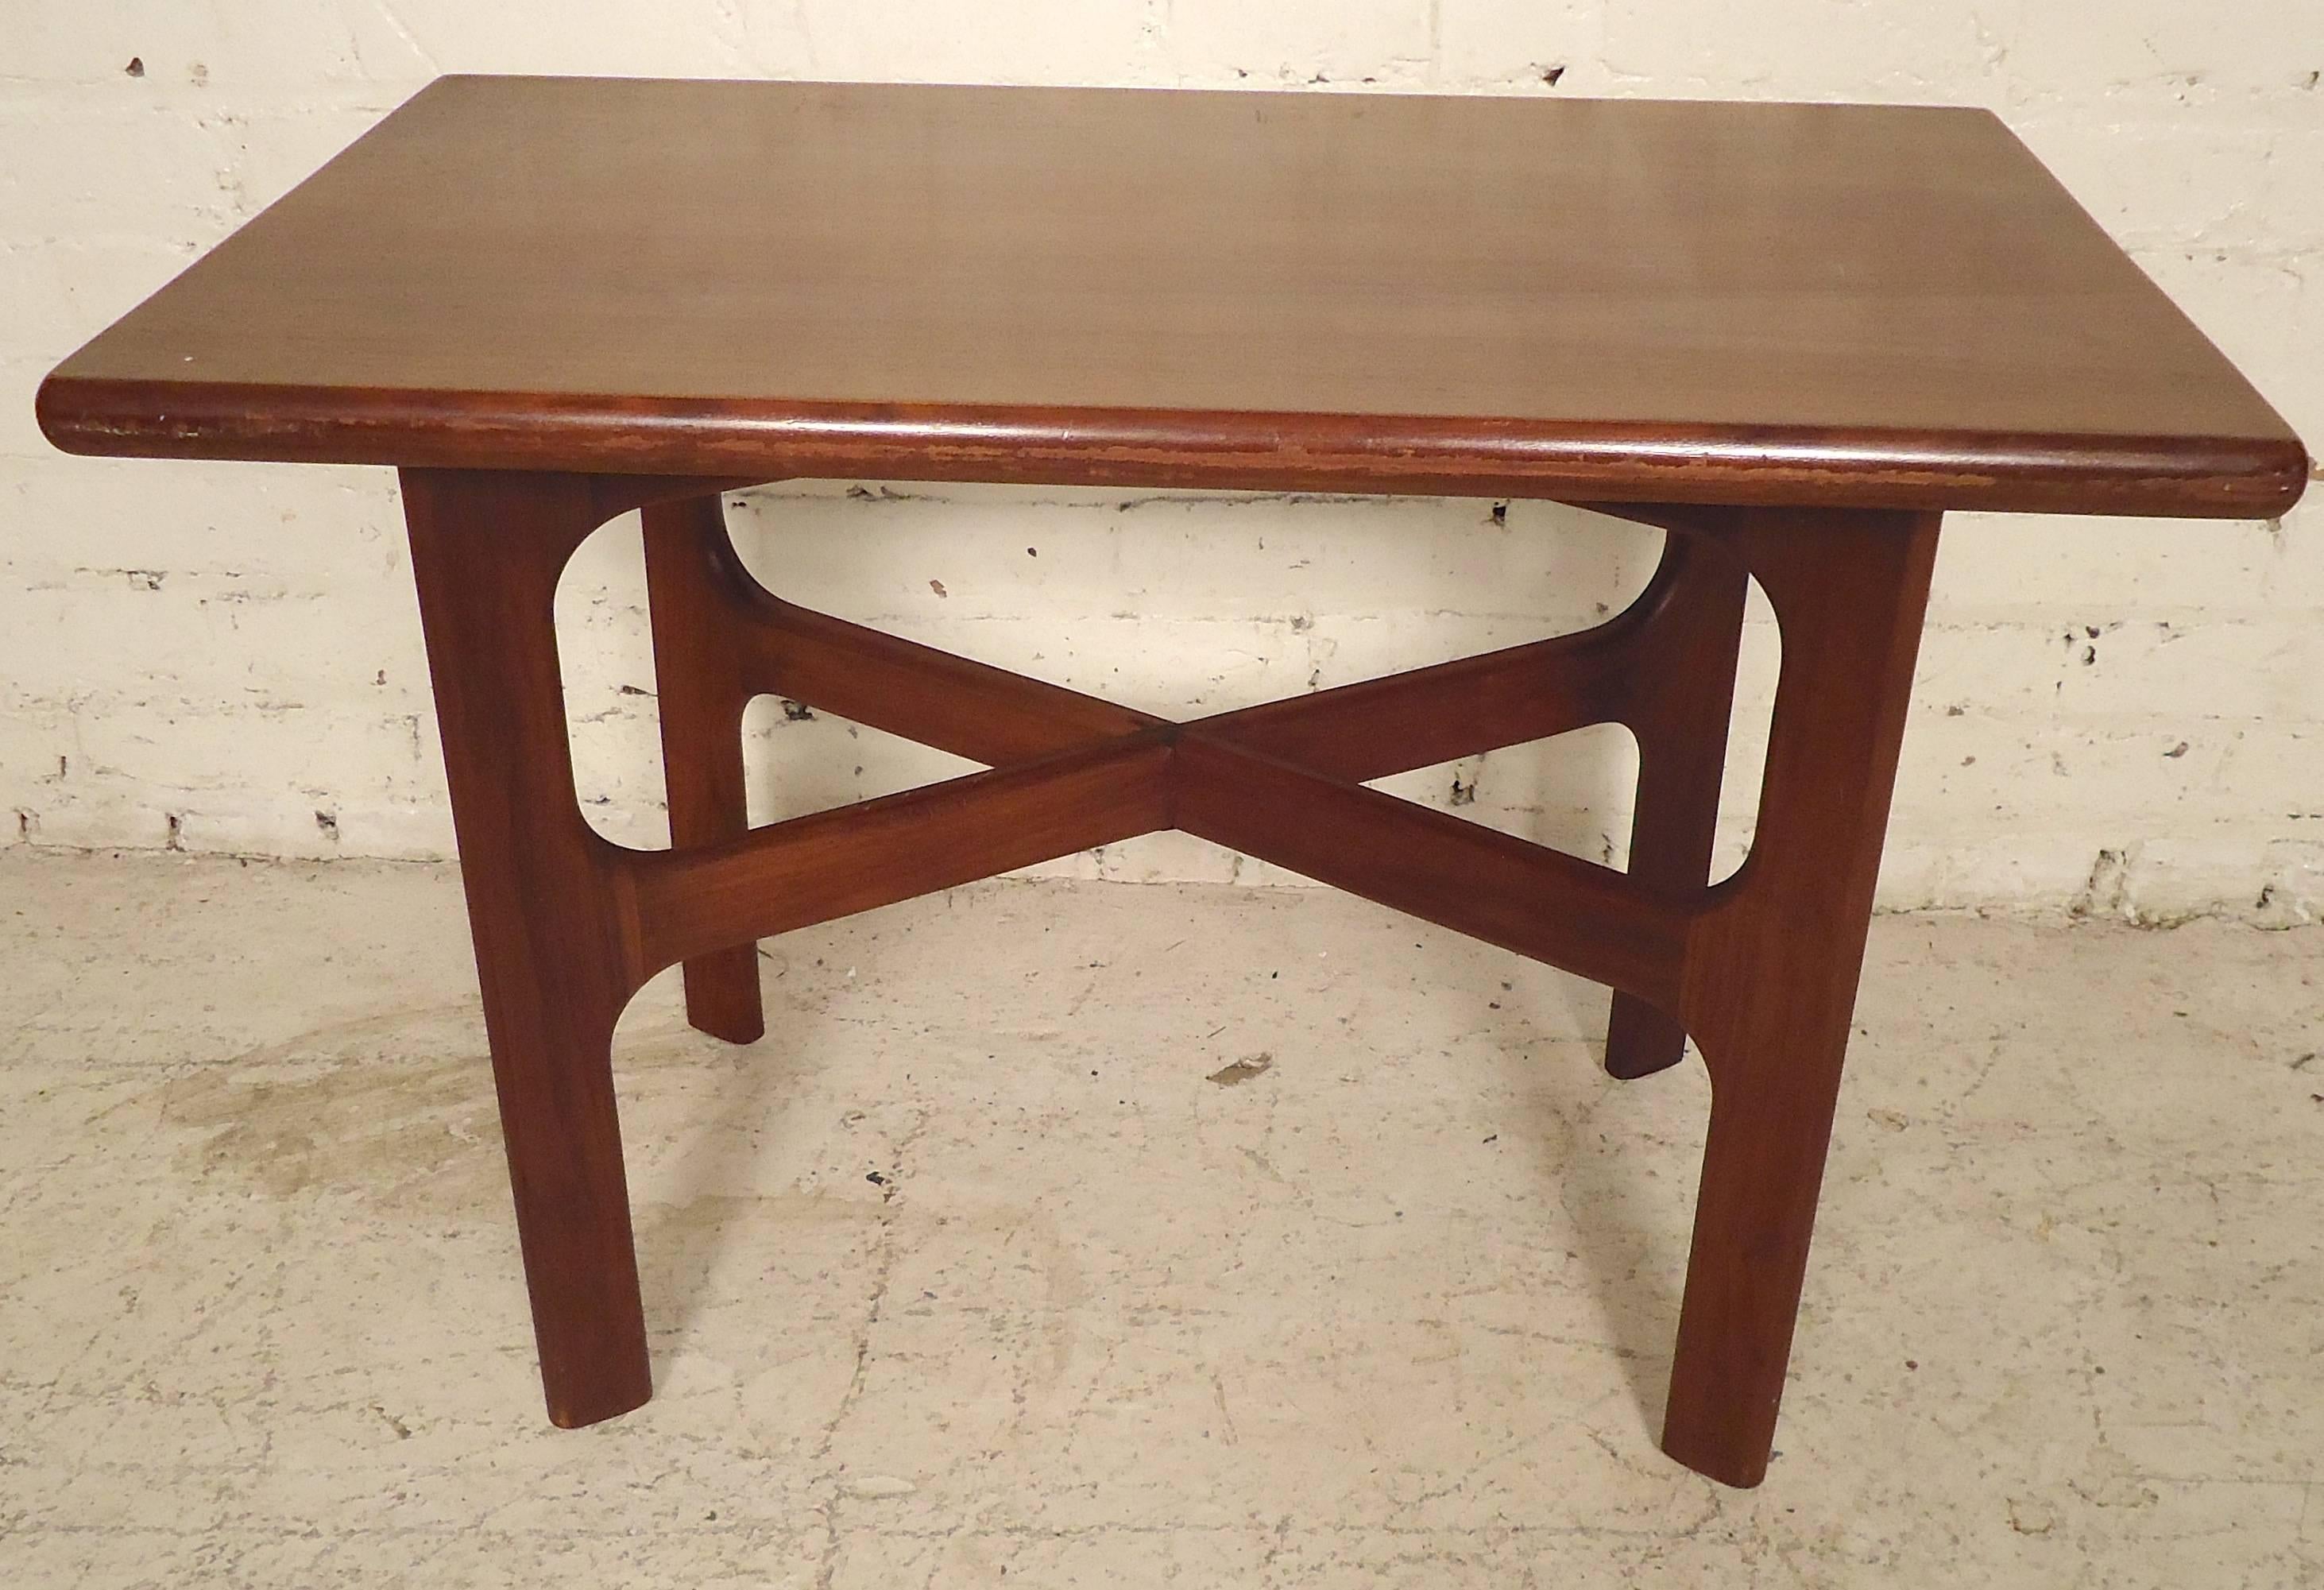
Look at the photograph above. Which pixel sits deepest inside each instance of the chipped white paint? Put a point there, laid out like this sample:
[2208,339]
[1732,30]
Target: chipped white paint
[225,658]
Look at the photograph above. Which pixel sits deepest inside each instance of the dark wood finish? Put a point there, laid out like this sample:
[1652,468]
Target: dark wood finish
[1769,984]
[971,709]
[487,551]
[1787,335]
[1368,731]
[1540,902]
[702,690]
[1762,968]
[1678,711]
[1876,306]
[838,862]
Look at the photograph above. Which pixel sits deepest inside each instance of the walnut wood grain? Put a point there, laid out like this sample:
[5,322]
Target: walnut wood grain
[1760,969]
[1677,711]
[1865,306]
[1788,334]
[1769,985]
[702,687]
[487,551]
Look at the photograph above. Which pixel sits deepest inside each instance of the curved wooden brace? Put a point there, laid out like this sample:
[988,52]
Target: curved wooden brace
[1762,968]
[1055,788]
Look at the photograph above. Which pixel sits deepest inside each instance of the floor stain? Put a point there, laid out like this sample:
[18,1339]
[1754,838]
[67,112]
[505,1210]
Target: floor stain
[397,1109]
[1242,1070]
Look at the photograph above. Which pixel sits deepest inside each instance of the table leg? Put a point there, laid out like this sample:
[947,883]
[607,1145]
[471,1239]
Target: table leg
[1679,710]
[1764,967]
[690,564]
[486,549]
[1771,971]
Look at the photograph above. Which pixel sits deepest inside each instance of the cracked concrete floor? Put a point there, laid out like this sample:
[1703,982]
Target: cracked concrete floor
[1240,1237]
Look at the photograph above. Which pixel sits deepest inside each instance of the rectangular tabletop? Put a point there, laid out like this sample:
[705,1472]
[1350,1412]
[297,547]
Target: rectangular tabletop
[1878,307]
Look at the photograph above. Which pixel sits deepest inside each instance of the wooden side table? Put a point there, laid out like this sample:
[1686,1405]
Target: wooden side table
[1791,336]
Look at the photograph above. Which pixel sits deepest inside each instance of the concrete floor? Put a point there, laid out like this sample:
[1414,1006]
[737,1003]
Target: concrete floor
[1238,1237]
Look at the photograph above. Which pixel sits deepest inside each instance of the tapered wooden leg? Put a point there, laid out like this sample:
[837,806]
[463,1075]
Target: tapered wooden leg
[1679,711]
[1762,971]
[690,565]
[486,549]
[1771,972]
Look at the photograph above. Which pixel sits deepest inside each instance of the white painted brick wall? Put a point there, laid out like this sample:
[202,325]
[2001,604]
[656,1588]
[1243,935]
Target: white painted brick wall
[227,657]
